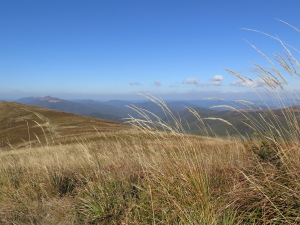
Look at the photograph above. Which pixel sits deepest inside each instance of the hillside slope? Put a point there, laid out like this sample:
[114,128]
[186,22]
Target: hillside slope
[22,124]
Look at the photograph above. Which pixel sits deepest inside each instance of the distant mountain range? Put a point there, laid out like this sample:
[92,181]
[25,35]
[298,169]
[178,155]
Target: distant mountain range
[116,110]
[87,108]
[113,109]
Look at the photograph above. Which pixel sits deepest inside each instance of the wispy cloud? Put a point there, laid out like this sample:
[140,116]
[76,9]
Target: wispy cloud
[255,69]
[157,83]
[134,83]
[191,81]
[214,83]
[250,83]
[230,91]
[216,80]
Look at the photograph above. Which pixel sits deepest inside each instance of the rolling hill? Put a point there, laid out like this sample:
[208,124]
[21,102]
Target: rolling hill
[116,110]
[23,125]
[113,110]
[245,122]
[91,108]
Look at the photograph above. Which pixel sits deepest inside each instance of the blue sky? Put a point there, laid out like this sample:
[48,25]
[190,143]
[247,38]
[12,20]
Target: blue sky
[113,49]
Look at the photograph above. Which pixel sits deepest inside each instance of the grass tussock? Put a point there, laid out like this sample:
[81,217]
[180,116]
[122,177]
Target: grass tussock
[157,173]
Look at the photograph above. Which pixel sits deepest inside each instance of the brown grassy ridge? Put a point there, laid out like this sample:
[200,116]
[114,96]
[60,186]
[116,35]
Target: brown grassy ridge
[24,125]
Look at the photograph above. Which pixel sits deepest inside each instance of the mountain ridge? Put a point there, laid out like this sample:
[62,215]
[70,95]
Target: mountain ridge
[117,110]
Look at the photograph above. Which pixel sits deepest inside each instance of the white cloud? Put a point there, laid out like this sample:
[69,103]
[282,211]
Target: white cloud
[230,91]
[134,83]
[217,78]
[191,81]
[157,83]
[250,83]
[215,81]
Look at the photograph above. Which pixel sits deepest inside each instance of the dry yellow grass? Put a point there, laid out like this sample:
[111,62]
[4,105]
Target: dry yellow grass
[23,125]
[124,177]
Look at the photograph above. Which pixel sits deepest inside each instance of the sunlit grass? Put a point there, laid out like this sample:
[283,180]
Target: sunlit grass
[127,176]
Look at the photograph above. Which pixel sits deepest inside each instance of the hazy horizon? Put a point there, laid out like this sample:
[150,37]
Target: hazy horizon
[251,96]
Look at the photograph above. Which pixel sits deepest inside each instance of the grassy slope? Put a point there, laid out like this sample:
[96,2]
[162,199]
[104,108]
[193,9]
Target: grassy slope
[122,178]
[116,175]
[132,176]
[27,125]
[240,120]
